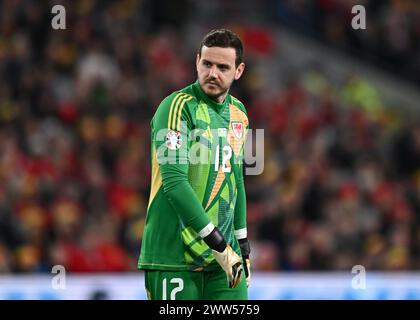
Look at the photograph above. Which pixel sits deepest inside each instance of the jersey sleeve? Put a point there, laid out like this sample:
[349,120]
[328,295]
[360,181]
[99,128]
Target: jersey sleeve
[170,128]
[240,216]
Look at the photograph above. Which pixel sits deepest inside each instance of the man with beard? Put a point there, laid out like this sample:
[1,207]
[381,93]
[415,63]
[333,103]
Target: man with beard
[195,235]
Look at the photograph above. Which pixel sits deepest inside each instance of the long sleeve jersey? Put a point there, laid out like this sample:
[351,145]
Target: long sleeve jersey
[197,151]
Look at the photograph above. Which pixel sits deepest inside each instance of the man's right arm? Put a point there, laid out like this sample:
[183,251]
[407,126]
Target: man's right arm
[170,128]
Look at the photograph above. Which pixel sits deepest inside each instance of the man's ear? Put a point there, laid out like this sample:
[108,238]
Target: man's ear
[239,70]
[197,60]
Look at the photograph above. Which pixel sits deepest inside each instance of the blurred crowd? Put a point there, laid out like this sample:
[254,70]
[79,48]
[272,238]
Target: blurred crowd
[391,38]
[341,184]
[341,180]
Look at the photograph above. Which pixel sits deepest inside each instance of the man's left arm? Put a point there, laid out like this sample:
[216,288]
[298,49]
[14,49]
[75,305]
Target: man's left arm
[240,221]
[241,229]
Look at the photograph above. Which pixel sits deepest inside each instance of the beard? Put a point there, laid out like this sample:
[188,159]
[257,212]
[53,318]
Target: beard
[213,89]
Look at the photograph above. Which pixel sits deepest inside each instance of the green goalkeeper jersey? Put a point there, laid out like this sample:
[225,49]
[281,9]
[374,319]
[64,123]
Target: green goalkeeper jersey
[197,150]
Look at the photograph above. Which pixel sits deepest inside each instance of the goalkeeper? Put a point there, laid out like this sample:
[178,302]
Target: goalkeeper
[195,242]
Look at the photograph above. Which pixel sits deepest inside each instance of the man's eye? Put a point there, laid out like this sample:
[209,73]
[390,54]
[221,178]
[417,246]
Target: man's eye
[207,64]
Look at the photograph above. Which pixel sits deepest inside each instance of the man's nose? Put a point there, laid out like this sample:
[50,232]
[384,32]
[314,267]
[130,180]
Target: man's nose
[213,72]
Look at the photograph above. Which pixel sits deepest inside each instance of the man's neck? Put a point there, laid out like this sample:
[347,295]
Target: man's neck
[221,98]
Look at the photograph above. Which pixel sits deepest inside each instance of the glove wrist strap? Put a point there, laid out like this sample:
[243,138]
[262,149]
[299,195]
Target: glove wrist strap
[215,240]
[245,248]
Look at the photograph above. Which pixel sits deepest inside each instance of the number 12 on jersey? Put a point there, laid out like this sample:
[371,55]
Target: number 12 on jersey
[226,155]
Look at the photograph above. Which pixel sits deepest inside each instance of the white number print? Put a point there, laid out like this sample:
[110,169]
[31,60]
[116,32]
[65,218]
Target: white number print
[227,154]
[175,290]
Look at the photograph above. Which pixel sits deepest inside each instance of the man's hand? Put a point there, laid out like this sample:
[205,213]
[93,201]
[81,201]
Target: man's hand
[231,264]
[227,258]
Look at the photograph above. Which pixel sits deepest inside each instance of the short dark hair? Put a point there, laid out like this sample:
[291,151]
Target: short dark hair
[224,38]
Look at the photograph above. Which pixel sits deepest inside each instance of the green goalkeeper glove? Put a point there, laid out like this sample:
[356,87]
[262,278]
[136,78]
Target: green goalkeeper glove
[225,256]
[245,251]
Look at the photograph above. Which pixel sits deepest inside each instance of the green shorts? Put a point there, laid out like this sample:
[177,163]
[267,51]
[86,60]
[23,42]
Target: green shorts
[192,285]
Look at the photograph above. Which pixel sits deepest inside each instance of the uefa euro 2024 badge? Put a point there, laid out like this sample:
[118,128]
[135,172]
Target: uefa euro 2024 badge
[173,140]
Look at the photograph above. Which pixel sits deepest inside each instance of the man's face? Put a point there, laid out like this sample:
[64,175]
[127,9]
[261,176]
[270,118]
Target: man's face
[216,71]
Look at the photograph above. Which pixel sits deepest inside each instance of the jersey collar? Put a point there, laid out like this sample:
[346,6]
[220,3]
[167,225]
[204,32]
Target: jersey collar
[202,95]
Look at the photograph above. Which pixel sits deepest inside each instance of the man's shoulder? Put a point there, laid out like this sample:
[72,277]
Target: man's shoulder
[184,96]
[174,107]
[237,103]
